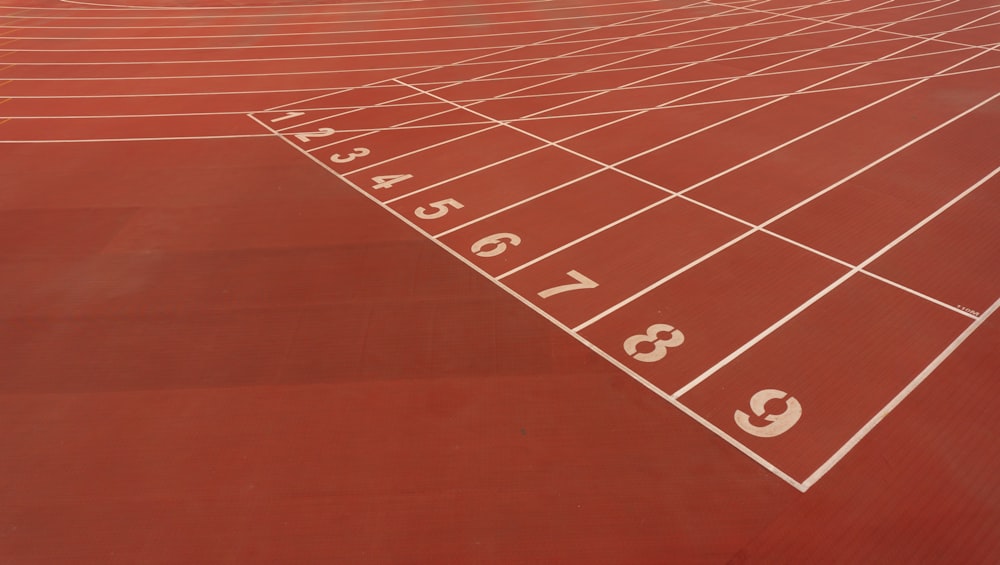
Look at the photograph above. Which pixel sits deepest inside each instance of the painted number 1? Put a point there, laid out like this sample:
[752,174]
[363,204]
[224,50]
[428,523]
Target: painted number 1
[287,116]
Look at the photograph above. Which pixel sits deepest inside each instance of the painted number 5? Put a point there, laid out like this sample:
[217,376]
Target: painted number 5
[774,413]
[652,337]
[440,209]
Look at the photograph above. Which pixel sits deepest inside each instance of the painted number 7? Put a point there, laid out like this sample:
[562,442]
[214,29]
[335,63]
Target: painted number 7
[582,282]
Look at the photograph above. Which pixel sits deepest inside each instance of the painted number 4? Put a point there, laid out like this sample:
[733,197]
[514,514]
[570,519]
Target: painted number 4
[386,181]
[653,345]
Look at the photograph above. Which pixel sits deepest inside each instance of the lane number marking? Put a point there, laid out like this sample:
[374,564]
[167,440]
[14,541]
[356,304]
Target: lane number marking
[386,181]
[304,137]
[764,423]
[287,116]
[582,282]
[358,152]
[441,208]
[652,336]
[493,245]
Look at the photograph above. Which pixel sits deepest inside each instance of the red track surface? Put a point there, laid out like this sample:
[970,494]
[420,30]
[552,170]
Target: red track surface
[216,347]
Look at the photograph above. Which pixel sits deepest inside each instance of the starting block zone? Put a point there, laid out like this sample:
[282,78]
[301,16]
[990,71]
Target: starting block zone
[780,259]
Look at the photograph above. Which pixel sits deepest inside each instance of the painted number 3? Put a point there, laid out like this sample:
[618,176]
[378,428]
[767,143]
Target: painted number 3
[660,336]
[358,152]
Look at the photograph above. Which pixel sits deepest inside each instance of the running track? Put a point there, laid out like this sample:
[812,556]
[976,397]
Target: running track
[367,281]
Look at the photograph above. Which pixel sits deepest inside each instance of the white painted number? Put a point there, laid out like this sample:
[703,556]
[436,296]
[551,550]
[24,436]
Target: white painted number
[765,424]
[440,209]
[304,137]
[287,116]
[652,336]
[387,181]
[494,245]
[358,152]
[581,283]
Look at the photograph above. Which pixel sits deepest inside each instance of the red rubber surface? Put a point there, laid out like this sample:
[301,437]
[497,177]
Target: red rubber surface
[286,282]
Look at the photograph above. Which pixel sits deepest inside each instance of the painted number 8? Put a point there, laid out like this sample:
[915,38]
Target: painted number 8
[652,336]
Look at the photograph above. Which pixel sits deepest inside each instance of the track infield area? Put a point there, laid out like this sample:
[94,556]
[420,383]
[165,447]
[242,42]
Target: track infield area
[527,281]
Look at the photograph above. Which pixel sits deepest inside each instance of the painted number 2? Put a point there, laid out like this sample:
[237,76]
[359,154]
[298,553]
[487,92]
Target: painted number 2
[305,136]
[672,338]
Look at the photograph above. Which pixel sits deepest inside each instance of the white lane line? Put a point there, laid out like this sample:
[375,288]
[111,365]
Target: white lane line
[881,28]
[131,139]
[772,13]
[420,150]
[292,104]
[603,165]
[800,204]
[614,362]
[709,88]
[353,30]
[544,60]
[473,101]
[126,6]
[615,112]
[809,89]
[899,398]
[755,227]
[690,134]
[831,287]
[368,131]
[457,12]
[597,70]
[507,124]
[326,57]
[466,61]
[313,23]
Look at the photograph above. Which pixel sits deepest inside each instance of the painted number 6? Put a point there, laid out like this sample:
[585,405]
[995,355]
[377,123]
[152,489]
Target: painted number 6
[652,336]
[495,244]
[440,209]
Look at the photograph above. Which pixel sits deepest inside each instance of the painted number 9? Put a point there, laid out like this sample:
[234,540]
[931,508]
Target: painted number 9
[673,338]
[764,423]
